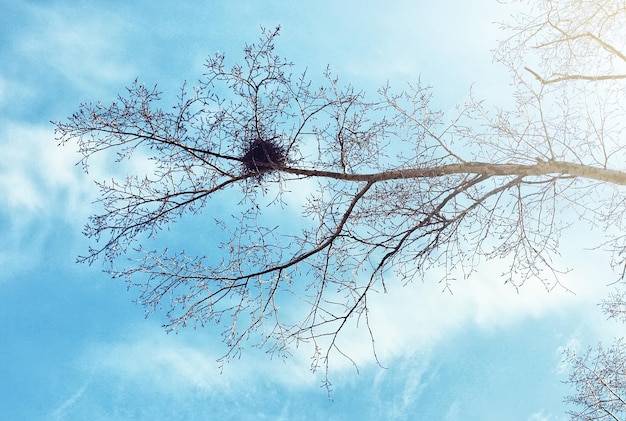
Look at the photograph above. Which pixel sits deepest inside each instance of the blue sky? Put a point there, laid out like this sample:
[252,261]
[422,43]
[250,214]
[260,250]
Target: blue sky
[73,345]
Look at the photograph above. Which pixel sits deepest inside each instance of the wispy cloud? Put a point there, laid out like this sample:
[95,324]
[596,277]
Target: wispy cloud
[15,94]
[65,408]
[172,363]
[540,416]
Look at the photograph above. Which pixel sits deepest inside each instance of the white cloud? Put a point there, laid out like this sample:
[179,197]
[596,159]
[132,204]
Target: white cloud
[84,45]
[34,172]
[21,147]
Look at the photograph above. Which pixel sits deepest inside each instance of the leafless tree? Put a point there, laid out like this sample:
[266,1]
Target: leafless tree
[599,378]
[395,187]
[615,305]
[598,375]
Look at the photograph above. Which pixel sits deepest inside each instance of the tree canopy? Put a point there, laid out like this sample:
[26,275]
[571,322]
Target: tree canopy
[394,187]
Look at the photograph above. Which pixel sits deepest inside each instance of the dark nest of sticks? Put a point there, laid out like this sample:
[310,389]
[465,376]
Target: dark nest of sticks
[262,156]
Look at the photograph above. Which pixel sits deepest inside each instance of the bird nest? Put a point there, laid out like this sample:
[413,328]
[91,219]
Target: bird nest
[262,156]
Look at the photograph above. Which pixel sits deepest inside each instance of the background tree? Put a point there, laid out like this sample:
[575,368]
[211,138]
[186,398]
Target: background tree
[395,188]
[598,375]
